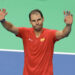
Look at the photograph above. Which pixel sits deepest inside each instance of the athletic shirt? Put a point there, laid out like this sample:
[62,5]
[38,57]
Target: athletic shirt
[38,52]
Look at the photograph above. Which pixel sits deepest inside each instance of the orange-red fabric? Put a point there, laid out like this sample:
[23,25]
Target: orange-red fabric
[38,51]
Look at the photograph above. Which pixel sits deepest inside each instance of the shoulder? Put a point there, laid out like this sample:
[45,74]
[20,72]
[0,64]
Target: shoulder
[49,30]
[24,29]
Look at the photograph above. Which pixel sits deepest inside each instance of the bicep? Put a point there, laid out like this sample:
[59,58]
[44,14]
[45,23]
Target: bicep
[59,35]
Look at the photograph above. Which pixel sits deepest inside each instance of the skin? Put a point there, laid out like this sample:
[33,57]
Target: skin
[37,24]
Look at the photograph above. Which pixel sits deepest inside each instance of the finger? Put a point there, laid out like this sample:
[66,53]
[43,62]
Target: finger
[69,13]
[64,12]
[6,13]
[3,10]
[0,9]
[72,15]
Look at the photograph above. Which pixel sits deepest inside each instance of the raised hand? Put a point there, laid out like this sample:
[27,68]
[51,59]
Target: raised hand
[68,18]
[3,13]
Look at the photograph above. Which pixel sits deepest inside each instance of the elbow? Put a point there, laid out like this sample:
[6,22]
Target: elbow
[67,35]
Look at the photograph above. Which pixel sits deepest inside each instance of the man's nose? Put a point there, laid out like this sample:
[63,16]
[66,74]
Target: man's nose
[37,22]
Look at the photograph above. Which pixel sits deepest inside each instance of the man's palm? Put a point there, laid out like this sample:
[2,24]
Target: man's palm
[3,13]
[69,18]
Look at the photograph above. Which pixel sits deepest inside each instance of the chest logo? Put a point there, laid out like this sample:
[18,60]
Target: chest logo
[42,39]
[30,39]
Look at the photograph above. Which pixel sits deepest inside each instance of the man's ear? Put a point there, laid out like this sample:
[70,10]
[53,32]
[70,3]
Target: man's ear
[43,19]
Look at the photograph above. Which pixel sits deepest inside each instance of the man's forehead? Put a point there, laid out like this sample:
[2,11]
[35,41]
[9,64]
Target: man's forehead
[35,13]
[35,16]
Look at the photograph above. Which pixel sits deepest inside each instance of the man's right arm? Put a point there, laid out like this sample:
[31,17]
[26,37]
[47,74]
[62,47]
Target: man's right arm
[10,27]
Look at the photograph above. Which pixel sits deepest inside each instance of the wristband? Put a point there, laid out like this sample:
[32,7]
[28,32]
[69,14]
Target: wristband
[2,21]
[68,24]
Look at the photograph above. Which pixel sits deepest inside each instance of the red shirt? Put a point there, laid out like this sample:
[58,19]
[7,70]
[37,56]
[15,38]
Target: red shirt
[38,51]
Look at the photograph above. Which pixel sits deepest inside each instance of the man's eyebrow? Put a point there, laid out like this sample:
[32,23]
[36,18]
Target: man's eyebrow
[37,19]
[33,20]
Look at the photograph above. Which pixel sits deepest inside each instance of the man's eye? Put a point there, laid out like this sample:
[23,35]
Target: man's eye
[39,19]
[33,20]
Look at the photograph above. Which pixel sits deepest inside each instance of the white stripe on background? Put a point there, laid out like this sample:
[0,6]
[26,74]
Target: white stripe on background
[11,50]
[64,53]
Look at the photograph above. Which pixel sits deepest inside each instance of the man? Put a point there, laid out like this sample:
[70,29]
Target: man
[38,41]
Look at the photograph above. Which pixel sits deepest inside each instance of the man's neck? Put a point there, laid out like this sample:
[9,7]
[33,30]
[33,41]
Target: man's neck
[37,33]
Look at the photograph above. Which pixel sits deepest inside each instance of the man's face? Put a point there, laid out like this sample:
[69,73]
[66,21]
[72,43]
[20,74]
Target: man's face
[36,21]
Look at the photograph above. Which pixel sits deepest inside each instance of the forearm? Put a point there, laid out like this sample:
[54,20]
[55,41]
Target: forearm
[10,27]
[7,25]
[67,30]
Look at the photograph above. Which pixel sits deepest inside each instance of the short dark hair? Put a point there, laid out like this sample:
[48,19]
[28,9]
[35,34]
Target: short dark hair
[34,11]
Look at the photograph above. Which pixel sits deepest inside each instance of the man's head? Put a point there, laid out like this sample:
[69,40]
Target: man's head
[36,19]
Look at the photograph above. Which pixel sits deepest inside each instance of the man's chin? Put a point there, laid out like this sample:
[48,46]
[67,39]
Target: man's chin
[38,29]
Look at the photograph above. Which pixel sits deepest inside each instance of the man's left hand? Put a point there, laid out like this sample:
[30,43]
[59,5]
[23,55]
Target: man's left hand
[68,18]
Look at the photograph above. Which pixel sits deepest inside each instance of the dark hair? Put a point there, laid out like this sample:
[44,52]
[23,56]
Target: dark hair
[34,11]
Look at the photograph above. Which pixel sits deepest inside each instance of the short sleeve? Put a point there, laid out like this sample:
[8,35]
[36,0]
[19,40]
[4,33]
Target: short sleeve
[22,32]
[54,35]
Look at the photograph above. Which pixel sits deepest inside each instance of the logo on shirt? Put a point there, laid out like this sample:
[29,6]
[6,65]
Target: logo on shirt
[30,39]
[42,39]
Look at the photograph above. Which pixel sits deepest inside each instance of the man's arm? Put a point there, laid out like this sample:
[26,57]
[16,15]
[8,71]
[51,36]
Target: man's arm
[66,31]
[10,27]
